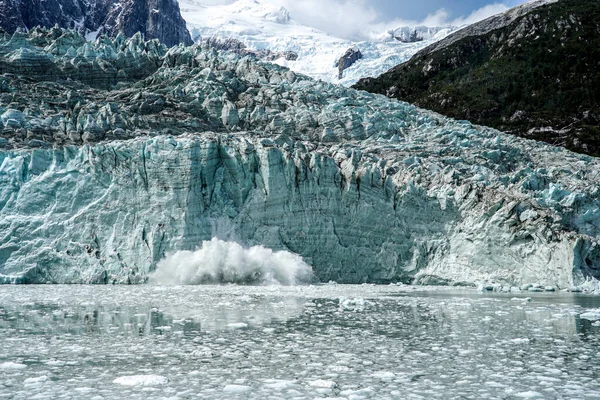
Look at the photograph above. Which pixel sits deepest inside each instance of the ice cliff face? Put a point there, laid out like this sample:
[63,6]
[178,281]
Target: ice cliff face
[412,34]
[99,186]
[154,19]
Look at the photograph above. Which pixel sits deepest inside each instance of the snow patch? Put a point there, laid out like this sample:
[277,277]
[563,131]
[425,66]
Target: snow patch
[266,25]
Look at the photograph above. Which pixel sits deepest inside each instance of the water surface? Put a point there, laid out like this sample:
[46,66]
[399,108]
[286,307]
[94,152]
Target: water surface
[304,342]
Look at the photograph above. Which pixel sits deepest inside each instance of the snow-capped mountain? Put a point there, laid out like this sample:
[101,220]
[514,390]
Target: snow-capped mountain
[260,25]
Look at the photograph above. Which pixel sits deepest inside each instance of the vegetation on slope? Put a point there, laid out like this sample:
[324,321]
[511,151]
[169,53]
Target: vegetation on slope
[538,77]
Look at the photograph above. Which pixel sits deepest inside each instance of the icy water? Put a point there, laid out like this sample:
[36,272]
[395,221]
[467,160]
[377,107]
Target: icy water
[232,342]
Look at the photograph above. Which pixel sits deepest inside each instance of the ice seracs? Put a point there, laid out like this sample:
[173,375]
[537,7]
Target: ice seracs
[155,150]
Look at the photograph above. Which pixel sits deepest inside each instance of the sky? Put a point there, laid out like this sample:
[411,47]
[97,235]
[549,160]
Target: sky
[419,10]
[363,19]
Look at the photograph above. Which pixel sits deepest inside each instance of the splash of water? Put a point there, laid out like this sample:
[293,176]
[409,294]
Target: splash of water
[218,261]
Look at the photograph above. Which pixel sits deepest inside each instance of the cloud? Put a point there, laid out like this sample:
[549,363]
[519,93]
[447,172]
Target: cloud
[358,20]
[481,14]
[343,18]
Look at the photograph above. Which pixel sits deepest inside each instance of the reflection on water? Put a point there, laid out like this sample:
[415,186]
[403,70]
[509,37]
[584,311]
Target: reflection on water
[230,342]
[42,319]
[183,319]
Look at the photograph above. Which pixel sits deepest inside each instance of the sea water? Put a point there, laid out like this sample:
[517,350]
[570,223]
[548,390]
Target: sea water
[295,342]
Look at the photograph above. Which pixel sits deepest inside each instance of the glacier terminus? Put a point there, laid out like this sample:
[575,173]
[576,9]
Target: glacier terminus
[118,153]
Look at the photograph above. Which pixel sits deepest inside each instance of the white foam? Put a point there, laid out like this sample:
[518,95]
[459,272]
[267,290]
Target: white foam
[218,261]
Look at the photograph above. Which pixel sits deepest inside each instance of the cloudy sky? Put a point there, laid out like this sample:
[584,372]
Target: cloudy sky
[357,19]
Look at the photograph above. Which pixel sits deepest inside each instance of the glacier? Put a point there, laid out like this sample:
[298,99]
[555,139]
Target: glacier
[157,150]
[265,25]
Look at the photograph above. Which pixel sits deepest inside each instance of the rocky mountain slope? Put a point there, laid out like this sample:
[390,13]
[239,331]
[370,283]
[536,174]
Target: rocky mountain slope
[264,26]
[145,151]
[155,19]
[533,71]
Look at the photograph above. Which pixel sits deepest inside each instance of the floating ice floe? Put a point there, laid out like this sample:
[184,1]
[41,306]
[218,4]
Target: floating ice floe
[236,388]
[12,365]
[323,384]
[141,380]
[592,315]
[357,303]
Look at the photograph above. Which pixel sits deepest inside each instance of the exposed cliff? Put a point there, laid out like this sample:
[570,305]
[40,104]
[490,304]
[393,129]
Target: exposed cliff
[365,188]
[533,71]
[154,19]
[241,49]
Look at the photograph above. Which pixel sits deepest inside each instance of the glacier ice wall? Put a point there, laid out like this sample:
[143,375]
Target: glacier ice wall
[111,211]
[156,150]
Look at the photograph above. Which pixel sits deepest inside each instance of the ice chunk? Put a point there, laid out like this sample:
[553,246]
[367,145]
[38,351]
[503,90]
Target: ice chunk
[592,315]
[236,388]
[323,384]
[353,303]
[141,380]
[530,395]
[237,325]
[383,375]
[12,365]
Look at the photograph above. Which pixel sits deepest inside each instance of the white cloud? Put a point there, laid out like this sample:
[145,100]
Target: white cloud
[357,20]
[481,14]
[344,18]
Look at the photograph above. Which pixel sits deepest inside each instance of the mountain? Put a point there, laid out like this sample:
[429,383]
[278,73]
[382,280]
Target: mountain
[263,26]
[145,151]
[533,71]
[155,19]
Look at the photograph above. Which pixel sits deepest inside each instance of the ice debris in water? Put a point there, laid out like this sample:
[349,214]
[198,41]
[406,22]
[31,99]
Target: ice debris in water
[353,303]
[141,380]
[218,261]
[592,315]
[12,365]
[236,388]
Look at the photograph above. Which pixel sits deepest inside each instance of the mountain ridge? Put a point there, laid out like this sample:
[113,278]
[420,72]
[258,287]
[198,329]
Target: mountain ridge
[537,77]
[154,19]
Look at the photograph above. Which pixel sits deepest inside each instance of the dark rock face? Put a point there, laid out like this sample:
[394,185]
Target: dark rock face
[154,19]
[533,72]
[412,37]
[240,48]
[76,14]
[347,60]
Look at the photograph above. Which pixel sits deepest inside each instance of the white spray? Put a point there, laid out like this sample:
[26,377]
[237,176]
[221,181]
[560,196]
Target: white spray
[218,261]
